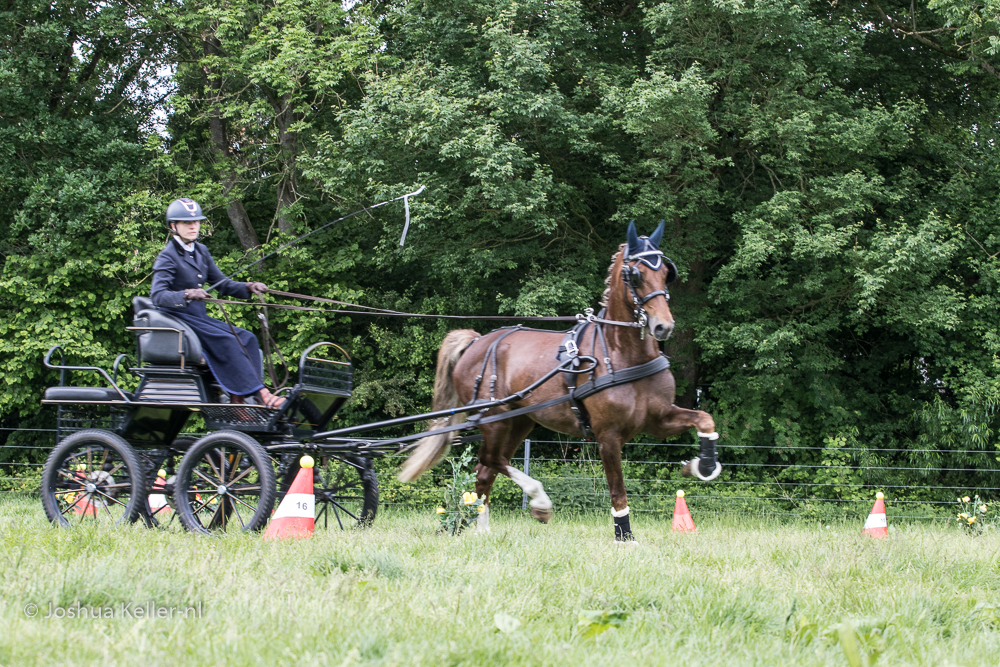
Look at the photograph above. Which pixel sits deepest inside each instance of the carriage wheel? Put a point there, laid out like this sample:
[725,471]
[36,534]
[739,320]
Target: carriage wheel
[225,482]
[159,509]
[93,476]
[346,491]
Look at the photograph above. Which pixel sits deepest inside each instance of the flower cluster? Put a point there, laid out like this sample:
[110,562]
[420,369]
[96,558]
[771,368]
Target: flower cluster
[460,508]
[973,516]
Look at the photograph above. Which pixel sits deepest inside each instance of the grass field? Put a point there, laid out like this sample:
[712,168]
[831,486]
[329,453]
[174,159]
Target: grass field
[740,592]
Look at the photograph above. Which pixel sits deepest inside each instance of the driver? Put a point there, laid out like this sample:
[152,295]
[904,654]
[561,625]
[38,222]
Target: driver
[180,274]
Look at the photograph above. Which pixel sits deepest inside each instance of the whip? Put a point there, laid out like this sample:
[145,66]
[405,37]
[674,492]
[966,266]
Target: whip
[406,203]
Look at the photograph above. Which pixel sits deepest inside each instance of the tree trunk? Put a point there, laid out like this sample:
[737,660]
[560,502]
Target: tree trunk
[288,183]
[220,140]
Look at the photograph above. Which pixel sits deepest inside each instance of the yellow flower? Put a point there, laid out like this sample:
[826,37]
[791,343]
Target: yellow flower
[965,499]
[972,520]
[481,509]
[440,510]
[468,498]
[963,515]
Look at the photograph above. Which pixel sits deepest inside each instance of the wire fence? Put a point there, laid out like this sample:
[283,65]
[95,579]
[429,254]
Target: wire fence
[767,488]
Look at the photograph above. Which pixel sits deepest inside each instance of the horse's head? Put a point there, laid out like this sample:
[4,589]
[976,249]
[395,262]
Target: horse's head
[645,276]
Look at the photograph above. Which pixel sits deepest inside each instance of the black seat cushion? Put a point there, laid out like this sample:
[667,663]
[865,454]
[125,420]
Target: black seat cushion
[161,347]
[84,394]
[141,303]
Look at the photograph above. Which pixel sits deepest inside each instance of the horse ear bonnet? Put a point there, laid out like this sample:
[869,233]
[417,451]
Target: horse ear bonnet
[638,244]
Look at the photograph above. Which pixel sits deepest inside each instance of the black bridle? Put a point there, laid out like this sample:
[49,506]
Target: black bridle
[631,277]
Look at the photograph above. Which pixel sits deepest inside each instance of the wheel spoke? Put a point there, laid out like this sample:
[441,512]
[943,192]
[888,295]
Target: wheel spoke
[110,515]
[236,466]
[115,500]
[86,508]
[201,507]
[213,522]
[208,457]
[336,504]
[244,489]
[239,516]
[206,478]
[82,496]
[70,477]
[244,503]
[242,475]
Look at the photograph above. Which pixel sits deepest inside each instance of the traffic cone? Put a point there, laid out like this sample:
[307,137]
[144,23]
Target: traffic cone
[158,501]
[876,525]
[87,507]
[296,515]
[683,523]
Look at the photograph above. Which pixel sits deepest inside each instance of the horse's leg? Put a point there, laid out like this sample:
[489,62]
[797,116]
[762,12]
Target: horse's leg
[705,466]
[484,484]
[611,457]
[504,437]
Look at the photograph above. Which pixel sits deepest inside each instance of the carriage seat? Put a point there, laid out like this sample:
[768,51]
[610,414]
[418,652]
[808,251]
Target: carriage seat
[160,347]
[84,394]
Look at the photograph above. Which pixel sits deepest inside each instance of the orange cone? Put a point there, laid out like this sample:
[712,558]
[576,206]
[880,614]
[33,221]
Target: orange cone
[87,507]
[296,515]
[876,525]
[158,501]
[683,523]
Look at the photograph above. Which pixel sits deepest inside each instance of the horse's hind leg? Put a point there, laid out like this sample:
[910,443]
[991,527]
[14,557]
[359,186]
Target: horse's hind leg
[500,441]
[705,466]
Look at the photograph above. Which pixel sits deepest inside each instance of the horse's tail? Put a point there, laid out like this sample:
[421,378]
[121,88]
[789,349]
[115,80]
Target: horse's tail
[433,448]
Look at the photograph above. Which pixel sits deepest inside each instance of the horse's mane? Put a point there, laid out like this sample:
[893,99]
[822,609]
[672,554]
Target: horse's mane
[607,280]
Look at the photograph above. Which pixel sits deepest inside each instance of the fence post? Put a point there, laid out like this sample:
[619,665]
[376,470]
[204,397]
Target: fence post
[527,468]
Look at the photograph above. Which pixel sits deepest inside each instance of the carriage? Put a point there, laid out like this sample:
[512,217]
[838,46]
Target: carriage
[120,455]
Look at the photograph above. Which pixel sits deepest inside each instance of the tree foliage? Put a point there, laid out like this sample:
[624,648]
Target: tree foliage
[828,172]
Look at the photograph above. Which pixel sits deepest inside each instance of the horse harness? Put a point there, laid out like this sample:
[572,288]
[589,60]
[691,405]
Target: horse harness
[569,356]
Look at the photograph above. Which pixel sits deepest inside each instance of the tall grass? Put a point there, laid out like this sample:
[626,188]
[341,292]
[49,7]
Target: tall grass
[739,592]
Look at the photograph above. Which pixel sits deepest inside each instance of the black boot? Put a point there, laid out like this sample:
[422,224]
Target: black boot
[623,531]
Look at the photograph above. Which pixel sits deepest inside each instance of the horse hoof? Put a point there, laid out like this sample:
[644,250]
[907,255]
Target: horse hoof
[541,514]
[691,469]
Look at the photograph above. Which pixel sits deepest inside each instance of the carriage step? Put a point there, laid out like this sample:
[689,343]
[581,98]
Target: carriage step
[170,390]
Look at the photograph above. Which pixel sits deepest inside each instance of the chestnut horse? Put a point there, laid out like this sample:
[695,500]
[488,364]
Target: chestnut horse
[636,280]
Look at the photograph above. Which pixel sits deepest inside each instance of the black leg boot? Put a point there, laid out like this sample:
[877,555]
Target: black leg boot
[708,460]
[623,531]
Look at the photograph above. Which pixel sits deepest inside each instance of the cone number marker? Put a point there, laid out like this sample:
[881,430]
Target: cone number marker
[299,505]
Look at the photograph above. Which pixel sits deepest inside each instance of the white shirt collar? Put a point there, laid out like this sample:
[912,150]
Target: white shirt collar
[187,246]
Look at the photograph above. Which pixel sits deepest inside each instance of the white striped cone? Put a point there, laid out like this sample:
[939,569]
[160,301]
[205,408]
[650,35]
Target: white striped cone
[296,515]
[157,501]
[876,525]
